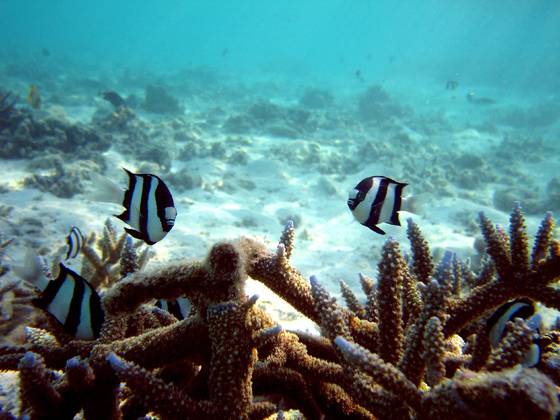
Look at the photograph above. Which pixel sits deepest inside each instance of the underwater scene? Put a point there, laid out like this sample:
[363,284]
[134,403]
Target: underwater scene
[267,210]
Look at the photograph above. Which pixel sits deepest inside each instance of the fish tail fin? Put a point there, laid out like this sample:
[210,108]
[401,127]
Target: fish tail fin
[413,204]
[105,190]
[33,270]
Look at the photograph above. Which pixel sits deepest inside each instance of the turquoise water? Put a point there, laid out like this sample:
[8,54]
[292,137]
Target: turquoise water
[512,44]
[267,110]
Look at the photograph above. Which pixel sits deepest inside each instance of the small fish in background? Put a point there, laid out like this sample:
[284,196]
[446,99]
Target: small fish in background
[180,308]
[45,52]
[225,52]
[114,99]
[74,242]
[451,85]
[518,308]
[376,199]
[358,75]
[149,208]
[34,97]
[473,99]
[69,298]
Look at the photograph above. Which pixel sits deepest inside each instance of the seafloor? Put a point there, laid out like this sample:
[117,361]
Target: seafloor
[242,157]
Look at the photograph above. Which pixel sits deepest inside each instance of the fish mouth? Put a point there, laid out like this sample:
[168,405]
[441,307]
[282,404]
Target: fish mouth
[351,203]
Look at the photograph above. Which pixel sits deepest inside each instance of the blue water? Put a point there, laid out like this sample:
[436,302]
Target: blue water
[464,101]
[514,44]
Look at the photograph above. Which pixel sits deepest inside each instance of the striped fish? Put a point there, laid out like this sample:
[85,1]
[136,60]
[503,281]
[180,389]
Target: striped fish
[74,303]
[519,308]
[149,208]
[376,199]
[74,241]
[179,308]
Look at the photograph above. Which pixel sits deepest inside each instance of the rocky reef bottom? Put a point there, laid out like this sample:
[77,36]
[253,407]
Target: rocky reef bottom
[418,348]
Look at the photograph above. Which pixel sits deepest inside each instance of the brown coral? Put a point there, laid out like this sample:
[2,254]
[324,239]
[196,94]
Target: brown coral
[229,359]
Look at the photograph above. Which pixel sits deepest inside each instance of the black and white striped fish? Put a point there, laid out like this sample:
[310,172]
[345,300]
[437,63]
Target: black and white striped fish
[74,241]
[149,208]
[74,303]
[519,308]
[375,200]
[179,308]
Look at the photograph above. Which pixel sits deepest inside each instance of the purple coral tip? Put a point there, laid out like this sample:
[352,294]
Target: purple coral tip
[115,361]
[314,282]
[29,359]
[73,363]
[344,345]
[253,299]
[277,329]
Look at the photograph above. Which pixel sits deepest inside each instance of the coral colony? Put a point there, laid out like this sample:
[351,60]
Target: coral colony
[418,348]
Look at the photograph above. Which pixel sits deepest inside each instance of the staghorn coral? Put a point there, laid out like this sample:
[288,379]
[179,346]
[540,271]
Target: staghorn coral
[114,258]
[229,359]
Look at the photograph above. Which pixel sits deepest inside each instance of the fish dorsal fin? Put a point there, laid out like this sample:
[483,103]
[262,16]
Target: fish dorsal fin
[105,190]
[32,270]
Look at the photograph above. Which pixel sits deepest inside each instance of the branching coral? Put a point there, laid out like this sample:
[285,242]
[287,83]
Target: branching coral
[115,258]
[416,349]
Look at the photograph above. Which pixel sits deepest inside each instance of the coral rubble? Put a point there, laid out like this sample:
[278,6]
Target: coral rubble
[415,349]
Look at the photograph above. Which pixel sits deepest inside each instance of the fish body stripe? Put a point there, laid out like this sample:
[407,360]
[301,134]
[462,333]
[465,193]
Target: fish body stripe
[174,309]
[184,306]
[164,201]
[496,324]
[179,308]
[125,216]
[50,292]
[144,215]
[74,303]
[397,204]
[377,205]
[157,226]
[73,317]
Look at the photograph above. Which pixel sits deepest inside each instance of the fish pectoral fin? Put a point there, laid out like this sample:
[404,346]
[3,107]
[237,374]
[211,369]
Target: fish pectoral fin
[138,235]
[134,233]
[377,230]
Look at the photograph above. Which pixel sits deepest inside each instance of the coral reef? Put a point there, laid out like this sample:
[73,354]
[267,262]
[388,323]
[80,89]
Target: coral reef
[64,181]
[316,98]
[265,117]
[23,135]
[377,106]
[418,348]
[158,100]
